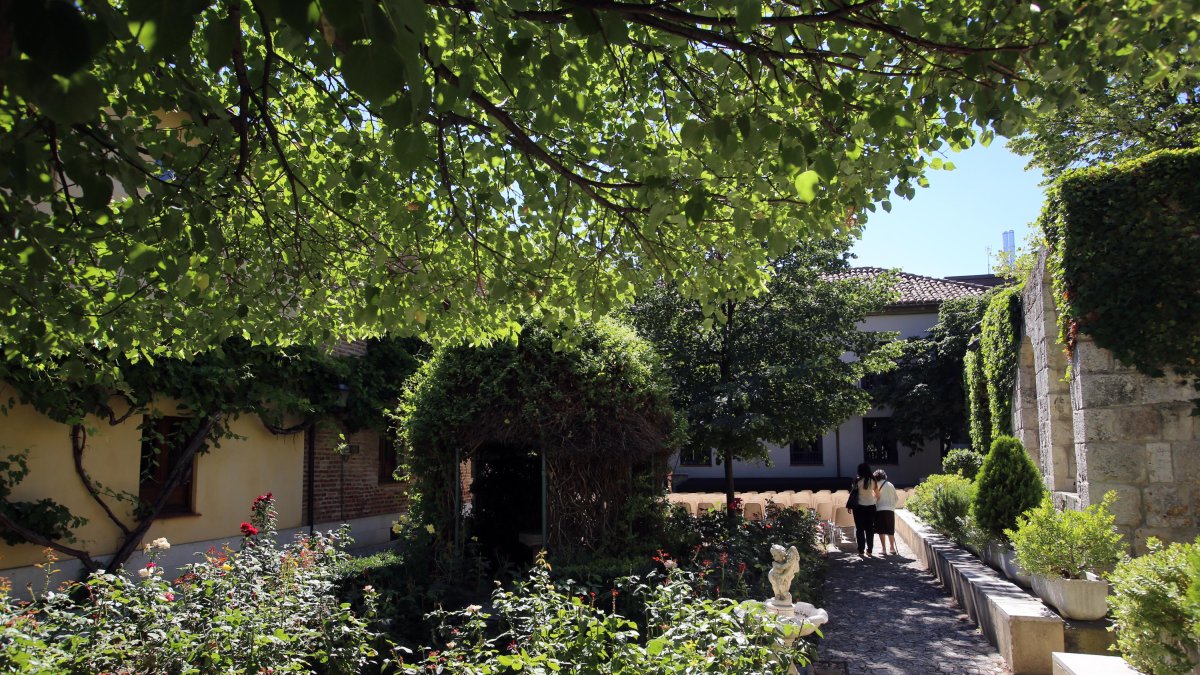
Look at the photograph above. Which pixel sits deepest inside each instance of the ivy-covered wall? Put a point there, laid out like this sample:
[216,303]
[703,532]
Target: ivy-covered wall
[980,426]
[999,340]
[1124,255]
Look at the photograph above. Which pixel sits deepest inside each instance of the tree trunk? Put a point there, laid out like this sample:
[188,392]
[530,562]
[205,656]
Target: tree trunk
[729,492]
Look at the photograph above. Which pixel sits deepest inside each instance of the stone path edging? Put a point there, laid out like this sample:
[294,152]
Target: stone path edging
[1024,631]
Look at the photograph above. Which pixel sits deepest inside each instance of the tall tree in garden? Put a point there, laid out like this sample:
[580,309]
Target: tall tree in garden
[177,173]
[925,392]
[770,368]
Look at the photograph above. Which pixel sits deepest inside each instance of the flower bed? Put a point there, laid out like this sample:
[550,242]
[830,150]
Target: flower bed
[258,608]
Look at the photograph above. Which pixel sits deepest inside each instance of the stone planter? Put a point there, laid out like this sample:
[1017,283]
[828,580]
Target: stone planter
[1013,570]
[1081,599]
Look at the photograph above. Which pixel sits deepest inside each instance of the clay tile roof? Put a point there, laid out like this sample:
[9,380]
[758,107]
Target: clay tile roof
[916,290]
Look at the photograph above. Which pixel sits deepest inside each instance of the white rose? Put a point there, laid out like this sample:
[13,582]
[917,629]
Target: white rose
[145,572]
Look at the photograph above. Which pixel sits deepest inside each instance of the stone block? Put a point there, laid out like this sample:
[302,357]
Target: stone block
[1167,389]
[1186,458]
[1139,423]
[1101,391]
[1116,462]
[1172,506]
[1178,423]
[1094,425]
[1090,664]
[1162,467]
[1166,534]
[1092,359]
[1127,509]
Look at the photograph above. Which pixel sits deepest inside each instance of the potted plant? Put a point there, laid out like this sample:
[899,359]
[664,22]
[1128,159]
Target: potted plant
[1065,551]
[1008,484]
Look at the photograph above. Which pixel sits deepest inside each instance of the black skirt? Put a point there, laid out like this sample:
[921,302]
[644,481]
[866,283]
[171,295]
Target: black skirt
[885,522]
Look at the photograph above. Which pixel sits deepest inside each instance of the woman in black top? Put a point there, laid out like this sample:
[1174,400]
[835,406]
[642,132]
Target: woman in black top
[864,512]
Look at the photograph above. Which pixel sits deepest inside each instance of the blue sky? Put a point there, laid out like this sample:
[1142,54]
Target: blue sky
[948,227]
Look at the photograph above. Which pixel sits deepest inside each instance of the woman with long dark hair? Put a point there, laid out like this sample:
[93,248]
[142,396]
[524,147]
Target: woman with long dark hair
[864,510]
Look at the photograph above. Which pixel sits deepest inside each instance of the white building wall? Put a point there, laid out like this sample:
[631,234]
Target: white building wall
[842,448]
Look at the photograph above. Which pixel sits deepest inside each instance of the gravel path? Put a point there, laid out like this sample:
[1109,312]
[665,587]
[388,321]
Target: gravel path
[888,616]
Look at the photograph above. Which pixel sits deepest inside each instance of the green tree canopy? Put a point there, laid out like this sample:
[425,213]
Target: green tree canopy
[925,392]
[770,368]
[177,173]
[1118,118]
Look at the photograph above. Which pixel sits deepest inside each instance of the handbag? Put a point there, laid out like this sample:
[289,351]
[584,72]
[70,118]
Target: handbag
[853,500]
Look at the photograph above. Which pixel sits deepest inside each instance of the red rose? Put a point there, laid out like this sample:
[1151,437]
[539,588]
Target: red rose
[249,530]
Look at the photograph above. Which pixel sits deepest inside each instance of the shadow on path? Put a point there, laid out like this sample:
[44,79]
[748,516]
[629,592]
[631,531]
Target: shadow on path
[887,615]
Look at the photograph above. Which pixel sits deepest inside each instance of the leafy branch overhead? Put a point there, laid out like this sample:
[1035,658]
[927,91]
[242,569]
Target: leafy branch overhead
[178,173]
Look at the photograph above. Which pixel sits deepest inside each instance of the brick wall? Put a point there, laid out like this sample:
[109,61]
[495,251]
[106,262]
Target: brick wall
[348,486]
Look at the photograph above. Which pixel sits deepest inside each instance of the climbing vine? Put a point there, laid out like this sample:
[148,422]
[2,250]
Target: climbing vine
[980,417]
[1124,246]
[999,340]
[289,390]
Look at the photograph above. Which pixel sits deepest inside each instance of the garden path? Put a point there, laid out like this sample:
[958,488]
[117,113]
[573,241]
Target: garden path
[889,616]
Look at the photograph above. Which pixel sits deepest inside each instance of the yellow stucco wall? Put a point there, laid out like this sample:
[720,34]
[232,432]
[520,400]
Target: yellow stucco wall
[227,478]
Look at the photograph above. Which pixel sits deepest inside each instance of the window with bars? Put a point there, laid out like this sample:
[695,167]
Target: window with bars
[695,457]
[806,453]
[879,441]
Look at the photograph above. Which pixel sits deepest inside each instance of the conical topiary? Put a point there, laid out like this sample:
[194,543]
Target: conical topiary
[1008,485]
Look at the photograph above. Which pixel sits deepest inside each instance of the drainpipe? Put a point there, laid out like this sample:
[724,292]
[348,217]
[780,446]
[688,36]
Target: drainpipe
[310,454]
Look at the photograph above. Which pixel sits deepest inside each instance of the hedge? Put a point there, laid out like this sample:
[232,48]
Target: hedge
[1124,249]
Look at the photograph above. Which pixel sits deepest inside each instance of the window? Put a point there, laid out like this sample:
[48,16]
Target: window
[388,460]
[695,457]
[879,440]
[163,439]
[807,453]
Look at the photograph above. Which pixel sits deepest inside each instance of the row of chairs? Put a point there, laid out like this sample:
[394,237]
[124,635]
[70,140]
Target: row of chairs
[826,503]
[836,521]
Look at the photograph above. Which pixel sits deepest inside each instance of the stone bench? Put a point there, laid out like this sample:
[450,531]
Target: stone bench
[1022,629]
[1090,664]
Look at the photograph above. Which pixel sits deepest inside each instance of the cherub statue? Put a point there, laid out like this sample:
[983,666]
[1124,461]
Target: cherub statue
[783,570]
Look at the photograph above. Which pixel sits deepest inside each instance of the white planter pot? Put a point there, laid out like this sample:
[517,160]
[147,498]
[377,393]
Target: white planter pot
[993,555]
[1013,570]
[1080,599]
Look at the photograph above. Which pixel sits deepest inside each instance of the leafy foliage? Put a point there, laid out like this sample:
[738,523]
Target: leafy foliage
[980,418]
[964,462]
[176,175]
[259,608]
[44,516]
[925,391]
[1009,484]
[944,501]
[769,368]
[1155,631]
[592,407]
[1067,543]
[1124,246]
[542,626]
[1117,118]
[999,341]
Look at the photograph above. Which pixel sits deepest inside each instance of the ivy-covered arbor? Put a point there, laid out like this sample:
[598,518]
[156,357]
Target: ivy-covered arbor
[588,417]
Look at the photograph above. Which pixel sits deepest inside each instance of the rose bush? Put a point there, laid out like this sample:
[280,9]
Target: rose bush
[258,608]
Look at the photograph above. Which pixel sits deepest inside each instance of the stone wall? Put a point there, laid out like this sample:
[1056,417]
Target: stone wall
[1108,428]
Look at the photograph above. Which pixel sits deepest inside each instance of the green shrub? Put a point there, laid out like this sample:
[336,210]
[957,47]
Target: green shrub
[1067,543]
[1193,603]
[1156,632]
[999,339]
[963,461]
[978,414]
[944,502]
[1008,485]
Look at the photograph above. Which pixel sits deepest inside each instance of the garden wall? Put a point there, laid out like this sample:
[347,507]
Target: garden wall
[1108,428]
